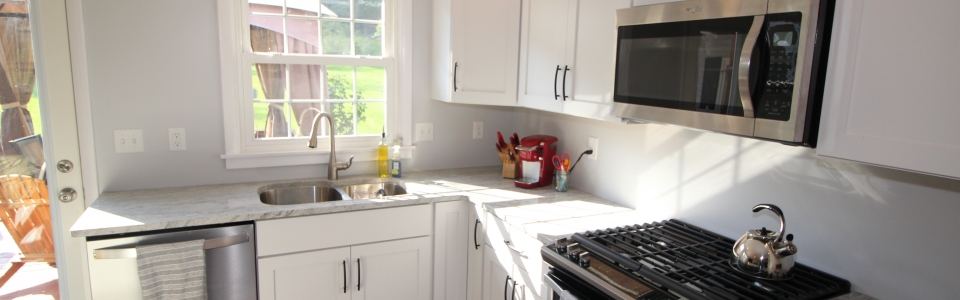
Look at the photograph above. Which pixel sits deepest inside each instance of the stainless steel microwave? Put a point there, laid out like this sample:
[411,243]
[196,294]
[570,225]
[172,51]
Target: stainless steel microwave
[751,68]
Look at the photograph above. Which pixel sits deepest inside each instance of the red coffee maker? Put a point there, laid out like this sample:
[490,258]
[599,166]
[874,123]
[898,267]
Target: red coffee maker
[536,167]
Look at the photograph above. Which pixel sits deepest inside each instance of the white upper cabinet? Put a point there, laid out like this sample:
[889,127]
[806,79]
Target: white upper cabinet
[475,54]
[593,61]
[891,90]
[543,53]
[567,56]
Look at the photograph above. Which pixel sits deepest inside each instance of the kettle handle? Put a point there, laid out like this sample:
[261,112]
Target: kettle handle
[776,210]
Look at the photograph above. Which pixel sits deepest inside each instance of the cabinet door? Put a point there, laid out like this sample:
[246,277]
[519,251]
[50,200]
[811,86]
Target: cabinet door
[543,54]
[497,282]
[450,248]
[475,252]
[485,37]
[392,270]
[893,102]
[592,66]
[308,275]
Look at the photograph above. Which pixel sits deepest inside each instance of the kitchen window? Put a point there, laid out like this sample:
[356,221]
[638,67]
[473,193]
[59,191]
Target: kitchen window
[284,61]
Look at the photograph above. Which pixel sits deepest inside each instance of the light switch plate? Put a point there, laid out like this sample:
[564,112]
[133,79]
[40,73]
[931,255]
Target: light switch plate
[128,141]
[424,132]
[477,130]
[594,144]
[178,139]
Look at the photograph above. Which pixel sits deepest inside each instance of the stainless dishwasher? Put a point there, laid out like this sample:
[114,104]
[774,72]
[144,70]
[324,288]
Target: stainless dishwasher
[229,253]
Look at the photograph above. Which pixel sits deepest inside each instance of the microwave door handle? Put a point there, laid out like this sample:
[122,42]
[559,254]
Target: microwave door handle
[743,76]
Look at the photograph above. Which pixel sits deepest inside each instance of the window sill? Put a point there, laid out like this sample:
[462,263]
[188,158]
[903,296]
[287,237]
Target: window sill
[307,157]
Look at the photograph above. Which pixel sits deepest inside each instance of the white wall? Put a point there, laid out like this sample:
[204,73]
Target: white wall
[154,65]
[891,233]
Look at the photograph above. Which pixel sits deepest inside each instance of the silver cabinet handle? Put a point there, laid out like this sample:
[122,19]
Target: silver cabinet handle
[743,74]
[514,249]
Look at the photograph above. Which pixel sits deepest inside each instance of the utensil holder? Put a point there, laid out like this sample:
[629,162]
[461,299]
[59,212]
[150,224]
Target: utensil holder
[560,181]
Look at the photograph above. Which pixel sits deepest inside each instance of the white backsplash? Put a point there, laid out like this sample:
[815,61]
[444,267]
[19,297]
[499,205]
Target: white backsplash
[889,232]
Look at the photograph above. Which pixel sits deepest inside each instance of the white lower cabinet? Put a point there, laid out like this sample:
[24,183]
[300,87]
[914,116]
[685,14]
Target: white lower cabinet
[319,274]
[511,263]
[392,270]
[375,254]
[475,258]
[450,248]
[387,270]
[497,271]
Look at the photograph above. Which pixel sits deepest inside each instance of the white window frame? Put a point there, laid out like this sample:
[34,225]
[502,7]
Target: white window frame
[242,150]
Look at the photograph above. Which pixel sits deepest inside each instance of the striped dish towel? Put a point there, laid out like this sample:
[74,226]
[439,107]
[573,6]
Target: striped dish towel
[172,271]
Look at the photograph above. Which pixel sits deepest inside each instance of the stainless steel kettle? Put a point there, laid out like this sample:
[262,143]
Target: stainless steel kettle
[764,254]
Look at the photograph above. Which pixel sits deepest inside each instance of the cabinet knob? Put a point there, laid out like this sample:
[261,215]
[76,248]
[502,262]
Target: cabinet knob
[67,195]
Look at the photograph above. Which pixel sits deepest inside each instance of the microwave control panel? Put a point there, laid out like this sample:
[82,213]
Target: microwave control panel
[782,44]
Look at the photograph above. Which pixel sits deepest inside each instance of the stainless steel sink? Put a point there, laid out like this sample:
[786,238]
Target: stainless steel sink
[374,190]
[300,195]
[316,193]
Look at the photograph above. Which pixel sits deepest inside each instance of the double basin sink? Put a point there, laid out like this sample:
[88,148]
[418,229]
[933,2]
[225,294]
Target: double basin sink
[316,193]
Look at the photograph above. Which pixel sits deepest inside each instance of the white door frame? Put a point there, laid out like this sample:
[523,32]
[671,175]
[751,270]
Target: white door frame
[48,19]
[81,92]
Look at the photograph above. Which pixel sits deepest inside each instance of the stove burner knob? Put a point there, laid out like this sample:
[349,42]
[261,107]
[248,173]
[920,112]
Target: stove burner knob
[562,245]
[585,259]
[573,251]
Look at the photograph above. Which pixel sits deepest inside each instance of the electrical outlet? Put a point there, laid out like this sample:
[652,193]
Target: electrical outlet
[477,130]
[128,141]
[424,132]
[594,144]
[178,139]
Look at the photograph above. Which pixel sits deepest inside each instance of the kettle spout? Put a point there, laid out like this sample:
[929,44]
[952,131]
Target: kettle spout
[787,250]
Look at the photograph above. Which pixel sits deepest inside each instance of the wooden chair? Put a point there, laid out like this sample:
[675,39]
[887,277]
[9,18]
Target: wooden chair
[25,211]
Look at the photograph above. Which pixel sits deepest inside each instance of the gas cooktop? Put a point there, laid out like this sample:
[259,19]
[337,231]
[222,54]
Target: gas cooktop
[673,259]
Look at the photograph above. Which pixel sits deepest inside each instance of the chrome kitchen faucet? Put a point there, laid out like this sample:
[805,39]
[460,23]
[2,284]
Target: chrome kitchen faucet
[333,167]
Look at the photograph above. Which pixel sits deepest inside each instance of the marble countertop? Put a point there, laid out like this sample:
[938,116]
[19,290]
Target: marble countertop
[154,209]
[541,213]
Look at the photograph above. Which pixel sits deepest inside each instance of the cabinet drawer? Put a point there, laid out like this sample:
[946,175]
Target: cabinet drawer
[527,264]
[530,260]
[342,229]
[496,231]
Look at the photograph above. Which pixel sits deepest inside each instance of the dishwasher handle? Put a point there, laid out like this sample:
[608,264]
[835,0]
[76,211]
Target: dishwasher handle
[107,253]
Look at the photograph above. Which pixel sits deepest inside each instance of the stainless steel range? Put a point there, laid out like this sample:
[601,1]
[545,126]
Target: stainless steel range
[667,260]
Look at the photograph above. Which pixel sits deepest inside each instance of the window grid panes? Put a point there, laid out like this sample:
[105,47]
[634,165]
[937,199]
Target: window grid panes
[287,96]
[340,27]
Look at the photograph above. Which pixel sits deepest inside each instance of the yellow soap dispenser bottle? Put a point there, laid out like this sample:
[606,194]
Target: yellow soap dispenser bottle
[383,156]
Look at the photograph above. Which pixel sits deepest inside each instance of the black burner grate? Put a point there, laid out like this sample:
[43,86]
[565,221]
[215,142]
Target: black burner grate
[693,263]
